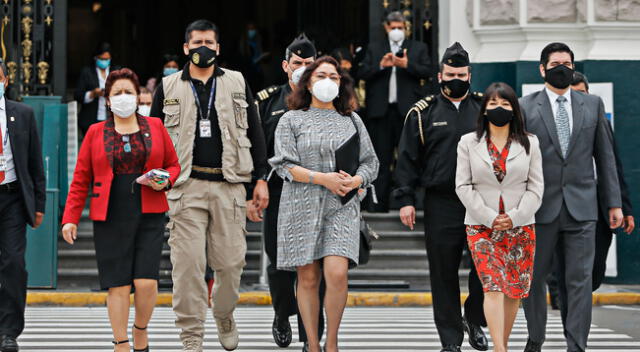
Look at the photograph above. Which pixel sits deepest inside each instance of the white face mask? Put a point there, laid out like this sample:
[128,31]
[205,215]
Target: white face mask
[396,35]
[295,76]
[123,105]
[325,90]
[144,110]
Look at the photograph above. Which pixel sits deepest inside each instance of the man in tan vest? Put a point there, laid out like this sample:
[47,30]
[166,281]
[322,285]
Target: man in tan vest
[213,122]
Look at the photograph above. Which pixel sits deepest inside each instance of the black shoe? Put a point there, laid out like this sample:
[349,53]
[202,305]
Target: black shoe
[8,344]
[450,348]
[477,338]
[555,301]
[305,348]
[533,346]
[281,330]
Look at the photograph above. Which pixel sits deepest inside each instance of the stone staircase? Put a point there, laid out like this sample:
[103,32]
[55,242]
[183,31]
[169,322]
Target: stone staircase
[397,257]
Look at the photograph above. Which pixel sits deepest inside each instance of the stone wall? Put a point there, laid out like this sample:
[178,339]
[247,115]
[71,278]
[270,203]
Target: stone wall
[498,12]
[552,11]
[617,10]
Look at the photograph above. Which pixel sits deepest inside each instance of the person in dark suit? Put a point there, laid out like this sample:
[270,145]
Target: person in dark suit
[90,88]
[573,132]
[392,70]
[22,202]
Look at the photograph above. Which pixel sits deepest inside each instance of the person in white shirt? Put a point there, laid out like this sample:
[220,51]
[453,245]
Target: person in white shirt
[90,88]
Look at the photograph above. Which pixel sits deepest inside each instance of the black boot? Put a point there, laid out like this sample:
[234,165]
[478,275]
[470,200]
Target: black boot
[8,344]
[533,346]
[281,330]
[450,348]
[477,338]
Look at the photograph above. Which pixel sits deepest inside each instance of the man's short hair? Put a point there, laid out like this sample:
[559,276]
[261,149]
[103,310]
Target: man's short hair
[579,77]
[200,25]
[554,48]
[442,67]
[395,16]
[144,90]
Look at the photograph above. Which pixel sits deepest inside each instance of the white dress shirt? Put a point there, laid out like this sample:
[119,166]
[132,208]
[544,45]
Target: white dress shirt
[102,109]
[9,171]
[393,83]
[555,105]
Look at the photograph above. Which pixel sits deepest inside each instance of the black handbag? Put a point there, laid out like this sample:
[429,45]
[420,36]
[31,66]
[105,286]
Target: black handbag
[348,159]
[367,235]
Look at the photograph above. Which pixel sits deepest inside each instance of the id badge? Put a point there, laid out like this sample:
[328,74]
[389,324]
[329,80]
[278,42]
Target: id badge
[2,163]
[205,128]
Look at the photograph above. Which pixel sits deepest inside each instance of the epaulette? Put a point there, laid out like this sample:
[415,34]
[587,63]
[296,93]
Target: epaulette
[267,92]
[418,107]
[477,95]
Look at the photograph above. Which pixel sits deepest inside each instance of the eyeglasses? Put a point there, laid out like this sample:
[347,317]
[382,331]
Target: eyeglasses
[127,145]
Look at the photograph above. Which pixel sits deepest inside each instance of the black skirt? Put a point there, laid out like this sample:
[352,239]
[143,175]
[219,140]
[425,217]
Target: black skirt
[128,243]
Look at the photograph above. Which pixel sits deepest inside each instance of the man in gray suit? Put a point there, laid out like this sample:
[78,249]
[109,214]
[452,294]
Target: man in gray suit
[573,131]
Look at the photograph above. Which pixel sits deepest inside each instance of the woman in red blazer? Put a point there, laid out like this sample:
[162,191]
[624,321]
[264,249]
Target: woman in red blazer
[128,218]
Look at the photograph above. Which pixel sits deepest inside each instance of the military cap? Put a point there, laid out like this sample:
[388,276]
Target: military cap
[455,56]
[302,47]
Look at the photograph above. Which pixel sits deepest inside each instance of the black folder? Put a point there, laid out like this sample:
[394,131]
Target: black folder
[348,159]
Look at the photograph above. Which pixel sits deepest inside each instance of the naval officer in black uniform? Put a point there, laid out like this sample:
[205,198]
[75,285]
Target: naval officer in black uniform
[427,157]
[272,105]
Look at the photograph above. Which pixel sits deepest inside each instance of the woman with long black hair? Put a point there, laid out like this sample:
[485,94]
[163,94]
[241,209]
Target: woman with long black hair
[499,181]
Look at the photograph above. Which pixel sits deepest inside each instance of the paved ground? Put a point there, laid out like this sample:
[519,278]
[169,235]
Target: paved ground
[364,329]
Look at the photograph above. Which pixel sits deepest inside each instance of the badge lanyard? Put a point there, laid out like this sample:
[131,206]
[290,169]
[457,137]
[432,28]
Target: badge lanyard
[204,123]
[5,141]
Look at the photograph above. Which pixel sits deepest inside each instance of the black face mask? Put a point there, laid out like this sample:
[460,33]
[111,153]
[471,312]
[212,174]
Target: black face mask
[202,57]
[559,77]
[499,116]
[455,88]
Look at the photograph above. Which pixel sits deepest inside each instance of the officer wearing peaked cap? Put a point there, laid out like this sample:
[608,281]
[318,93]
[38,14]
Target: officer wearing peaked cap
[427,158]
[272,105]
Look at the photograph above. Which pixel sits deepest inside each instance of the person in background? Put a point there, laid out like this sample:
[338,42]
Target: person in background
[212,119]
[128,218]
[427,158]
[573,134]
[22,203]
[273,104]
[90,88]
[144,102]
[500,215]
[170,64]
[252,56]
[392,70]
[317,234]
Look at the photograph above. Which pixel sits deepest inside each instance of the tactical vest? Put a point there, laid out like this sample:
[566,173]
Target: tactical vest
[180,110]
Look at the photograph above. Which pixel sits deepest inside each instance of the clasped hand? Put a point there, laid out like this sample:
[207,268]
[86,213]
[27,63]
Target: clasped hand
[502,223]
[341,183]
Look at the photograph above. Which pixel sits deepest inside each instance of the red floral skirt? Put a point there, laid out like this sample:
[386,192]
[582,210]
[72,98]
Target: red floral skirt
[503,259]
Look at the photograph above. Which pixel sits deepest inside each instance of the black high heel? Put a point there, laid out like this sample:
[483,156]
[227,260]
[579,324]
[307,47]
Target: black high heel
[114,342]
[146,349]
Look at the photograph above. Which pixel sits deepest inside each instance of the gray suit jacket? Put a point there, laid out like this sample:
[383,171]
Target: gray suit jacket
[573,180]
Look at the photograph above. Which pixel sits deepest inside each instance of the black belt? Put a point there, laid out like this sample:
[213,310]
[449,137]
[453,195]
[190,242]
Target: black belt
[9,187]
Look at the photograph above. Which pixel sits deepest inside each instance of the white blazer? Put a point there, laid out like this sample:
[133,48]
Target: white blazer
[479,189]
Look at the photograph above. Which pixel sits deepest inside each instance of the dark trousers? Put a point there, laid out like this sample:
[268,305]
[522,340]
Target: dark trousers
[282,283]
[13,274]
[446,239]
[573,242]
[604,235]
[385,135]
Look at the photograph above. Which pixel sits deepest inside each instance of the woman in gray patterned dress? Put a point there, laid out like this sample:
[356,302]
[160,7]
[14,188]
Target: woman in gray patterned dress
[315,231]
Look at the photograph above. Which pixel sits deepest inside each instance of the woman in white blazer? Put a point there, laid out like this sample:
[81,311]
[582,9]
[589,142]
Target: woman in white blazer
[499,181]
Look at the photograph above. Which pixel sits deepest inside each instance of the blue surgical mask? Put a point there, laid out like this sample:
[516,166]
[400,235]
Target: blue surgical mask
[169,71]
[103,63]
[1,89]
[251,33]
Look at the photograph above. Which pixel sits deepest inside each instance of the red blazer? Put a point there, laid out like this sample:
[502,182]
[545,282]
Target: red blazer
[94,168]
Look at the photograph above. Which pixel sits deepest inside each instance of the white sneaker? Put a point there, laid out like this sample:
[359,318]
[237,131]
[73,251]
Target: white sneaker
[228,333]
[192,345]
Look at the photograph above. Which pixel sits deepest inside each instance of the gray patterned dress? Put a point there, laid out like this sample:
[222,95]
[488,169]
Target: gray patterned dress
[312,222]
